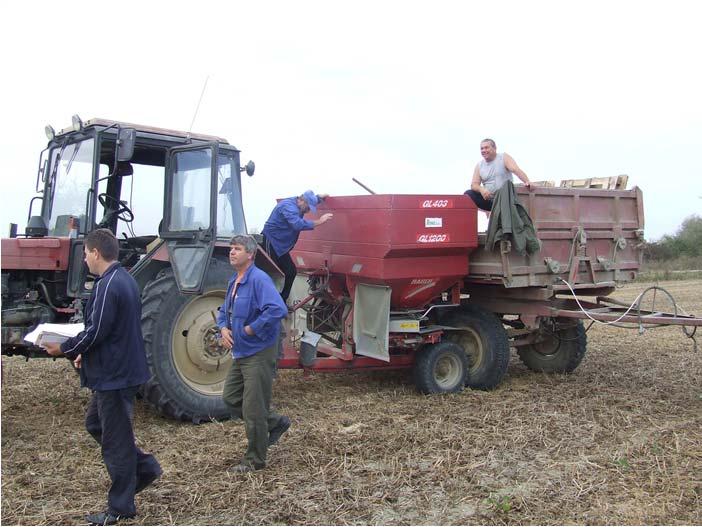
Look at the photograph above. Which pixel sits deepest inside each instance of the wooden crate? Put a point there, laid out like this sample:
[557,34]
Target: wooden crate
[611,183]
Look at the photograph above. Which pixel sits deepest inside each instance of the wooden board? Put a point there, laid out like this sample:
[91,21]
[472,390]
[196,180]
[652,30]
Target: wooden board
[610,183]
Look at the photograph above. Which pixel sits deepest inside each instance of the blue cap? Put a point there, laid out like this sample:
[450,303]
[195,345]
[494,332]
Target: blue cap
[311,199]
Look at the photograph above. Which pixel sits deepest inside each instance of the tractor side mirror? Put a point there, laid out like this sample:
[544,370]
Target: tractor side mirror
[249,167]
[125,144]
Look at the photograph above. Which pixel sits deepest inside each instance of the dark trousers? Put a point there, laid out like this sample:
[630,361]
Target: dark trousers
[247,394]
[109,420]
[286,265]
[479,200]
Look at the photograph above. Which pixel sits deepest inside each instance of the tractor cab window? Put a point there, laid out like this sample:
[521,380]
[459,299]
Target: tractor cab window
[142,192]
[230,212]
[71,176]
[190,201]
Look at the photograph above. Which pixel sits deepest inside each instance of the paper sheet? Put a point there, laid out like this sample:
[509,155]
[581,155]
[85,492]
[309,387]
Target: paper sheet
[53,333]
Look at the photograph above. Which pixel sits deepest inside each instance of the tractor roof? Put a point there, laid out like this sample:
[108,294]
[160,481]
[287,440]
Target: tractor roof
[97,122]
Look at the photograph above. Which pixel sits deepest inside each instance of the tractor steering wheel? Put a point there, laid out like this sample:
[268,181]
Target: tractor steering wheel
[115,206]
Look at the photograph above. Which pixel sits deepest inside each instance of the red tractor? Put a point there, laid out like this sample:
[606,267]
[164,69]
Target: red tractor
[174,200]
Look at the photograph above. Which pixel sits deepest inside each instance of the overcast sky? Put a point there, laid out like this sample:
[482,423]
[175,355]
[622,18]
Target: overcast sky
[396,94]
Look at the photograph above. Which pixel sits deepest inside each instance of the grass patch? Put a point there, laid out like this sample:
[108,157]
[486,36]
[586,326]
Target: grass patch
[502,504]
[665,275]
[681,268]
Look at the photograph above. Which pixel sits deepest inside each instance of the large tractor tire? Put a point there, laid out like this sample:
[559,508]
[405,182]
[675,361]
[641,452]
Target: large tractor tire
[441,368]
[188,366]
[484,340]
[560,351]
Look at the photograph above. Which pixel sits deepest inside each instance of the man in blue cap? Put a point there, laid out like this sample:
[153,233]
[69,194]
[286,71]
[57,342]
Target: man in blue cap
[282,229]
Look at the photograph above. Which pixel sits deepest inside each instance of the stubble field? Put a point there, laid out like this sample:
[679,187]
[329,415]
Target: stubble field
[619,441]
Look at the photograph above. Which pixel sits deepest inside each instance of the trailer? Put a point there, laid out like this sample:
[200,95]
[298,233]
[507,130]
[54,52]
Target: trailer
[406,281]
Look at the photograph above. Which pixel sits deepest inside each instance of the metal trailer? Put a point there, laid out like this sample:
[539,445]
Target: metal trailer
[405,281]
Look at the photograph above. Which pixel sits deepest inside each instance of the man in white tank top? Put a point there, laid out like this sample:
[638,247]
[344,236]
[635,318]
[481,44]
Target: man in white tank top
[491,173]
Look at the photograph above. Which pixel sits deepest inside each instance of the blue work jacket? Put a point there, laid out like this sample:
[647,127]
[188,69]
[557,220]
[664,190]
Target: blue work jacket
[283,227]
[259,305]
[111,344]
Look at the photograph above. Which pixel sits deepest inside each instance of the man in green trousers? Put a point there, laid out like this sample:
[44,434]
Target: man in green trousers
[249,322]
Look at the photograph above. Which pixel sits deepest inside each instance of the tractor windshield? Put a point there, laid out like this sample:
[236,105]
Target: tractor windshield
[71,177]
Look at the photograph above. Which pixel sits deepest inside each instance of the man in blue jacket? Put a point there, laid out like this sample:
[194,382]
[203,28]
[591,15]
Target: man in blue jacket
[110,355]
[249,322]
[282,229]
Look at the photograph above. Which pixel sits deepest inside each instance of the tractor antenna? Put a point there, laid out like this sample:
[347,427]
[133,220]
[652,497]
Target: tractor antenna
[204,86]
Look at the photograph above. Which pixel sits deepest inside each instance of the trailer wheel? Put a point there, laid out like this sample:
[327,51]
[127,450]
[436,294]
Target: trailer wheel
[441,368]
[188,366]
[561,351]
[484,340]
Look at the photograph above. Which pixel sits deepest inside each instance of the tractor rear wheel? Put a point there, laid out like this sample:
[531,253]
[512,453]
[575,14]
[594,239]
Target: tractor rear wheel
[561,349]
[188,366]
[483,338]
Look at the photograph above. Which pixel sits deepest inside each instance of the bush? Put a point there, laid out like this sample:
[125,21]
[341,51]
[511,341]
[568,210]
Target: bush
[685,244]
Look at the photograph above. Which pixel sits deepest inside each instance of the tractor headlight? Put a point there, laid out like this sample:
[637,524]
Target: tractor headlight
[77,123]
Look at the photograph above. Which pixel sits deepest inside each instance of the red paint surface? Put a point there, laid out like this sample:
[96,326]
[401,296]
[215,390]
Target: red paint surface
[35,253]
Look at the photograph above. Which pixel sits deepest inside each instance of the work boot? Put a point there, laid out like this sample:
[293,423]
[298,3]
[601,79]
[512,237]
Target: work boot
[243,468]
[105,518]
[278,430]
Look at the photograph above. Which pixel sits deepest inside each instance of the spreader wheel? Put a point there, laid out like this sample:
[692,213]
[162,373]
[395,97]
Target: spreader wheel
[484,340]
[441,368]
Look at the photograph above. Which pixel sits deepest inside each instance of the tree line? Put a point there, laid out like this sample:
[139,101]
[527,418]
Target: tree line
[686,242]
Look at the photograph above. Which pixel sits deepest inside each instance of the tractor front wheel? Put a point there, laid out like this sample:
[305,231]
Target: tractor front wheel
[188,365]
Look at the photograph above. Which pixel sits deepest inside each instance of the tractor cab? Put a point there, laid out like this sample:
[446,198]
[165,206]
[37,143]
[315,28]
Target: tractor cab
[168,196]
[149,186]
[173,199]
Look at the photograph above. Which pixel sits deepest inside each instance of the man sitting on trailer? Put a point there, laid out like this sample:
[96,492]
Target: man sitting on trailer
[282,229]
[491,173]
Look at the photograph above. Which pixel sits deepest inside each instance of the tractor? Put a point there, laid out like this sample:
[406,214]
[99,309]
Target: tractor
[173,199]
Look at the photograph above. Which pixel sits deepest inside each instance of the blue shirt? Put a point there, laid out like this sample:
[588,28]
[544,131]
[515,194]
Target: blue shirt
[284,225]
[111,344]
[258,305]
